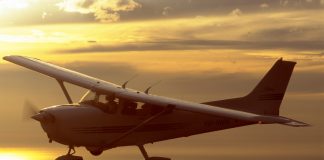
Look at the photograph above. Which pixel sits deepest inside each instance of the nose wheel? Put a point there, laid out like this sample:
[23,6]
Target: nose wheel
[70,155]
[146,157]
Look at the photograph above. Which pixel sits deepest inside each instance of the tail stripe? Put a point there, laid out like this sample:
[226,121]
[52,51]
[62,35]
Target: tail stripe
[271,97]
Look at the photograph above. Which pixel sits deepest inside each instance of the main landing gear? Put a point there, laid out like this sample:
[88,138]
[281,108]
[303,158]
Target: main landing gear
[146,157]
[69,155]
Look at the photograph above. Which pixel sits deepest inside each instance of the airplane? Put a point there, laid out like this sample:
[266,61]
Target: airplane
[110,115]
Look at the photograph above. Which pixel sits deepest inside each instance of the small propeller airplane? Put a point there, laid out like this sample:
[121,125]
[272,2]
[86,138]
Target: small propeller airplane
[110,115]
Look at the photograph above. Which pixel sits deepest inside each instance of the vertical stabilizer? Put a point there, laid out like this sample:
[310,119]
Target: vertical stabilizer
[267,96]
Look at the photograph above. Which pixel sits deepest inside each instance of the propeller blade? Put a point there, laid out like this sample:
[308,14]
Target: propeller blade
[29,110]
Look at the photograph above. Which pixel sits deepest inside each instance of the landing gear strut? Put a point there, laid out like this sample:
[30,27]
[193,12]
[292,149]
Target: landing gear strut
[146,157]
[70,155]
[71,150]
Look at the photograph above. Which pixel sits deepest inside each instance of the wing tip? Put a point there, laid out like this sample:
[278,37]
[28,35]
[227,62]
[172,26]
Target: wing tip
[15,58]
[9,57]
[6,57]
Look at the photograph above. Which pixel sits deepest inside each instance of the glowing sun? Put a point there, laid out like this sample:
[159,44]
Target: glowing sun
[24,154]
[14,4]
[11,156]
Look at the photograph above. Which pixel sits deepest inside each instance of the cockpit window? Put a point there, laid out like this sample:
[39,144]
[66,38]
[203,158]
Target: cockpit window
[89,97]
[107,103]
[110,104]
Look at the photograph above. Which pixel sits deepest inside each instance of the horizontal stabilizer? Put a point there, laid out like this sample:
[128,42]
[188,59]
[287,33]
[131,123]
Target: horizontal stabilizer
[280,120]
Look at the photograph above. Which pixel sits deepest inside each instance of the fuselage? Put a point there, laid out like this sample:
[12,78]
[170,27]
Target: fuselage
[89,126]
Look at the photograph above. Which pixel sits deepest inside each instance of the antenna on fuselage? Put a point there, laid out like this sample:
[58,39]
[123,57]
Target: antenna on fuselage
[150,87]
[124,84]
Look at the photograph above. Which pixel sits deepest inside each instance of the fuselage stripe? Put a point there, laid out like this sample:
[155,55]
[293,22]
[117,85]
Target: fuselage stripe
[120,129]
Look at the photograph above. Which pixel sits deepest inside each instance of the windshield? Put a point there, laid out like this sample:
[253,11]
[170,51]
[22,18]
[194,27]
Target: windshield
[89,97]
[107,103]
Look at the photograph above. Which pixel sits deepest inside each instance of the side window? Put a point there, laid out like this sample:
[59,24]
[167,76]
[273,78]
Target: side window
[102,99]
[139,109]
[129,108]
[144,110]
[111,105]
[107,103]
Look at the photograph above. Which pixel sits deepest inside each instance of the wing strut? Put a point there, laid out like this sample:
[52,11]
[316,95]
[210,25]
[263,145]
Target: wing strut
[165,110]
[66,93]
[144,153]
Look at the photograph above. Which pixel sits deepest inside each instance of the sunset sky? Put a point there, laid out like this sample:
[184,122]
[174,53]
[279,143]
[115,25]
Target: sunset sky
[200,50]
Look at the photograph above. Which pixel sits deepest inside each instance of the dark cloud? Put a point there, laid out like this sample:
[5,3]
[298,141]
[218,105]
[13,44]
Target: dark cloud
[314,55]
[151,10]
[190,8]
[201,45]
[92,41]
[296,32]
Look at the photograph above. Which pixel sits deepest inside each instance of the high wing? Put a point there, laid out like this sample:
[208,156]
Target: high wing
[102,86]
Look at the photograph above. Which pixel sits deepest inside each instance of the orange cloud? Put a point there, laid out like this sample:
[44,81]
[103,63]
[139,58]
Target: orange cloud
[103,10]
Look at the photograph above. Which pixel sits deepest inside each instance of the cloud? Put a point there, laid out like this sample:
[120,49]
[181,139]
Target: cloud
[284,2]
[166,11]
[192,8]
[236,12]
[288,32]
[103,10]
[78,11]
[314,55]
[264,5]
[201,45]
[44,15]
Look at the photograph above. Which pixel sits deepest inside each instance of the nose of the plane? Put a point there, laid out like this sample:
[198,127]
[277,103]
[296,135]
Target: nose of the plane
[44,117]
[38,117]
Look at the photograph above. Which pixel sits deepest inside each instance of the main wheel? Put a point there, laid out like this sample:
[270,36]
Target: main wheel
[96,152]
[69,157]
[158,158]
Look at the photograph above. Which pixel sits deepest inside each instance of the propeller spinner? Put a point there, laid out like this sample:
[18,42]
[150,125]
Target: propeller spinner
[29,110]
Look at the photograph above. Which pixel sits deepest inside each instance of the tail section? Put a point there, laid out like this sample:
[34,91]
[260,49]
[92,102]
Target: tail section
[267,96]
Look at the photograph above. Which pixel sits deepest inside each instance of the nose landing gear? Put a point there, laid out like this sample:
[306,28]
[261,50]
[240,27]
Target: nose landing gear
[69,155]
[146,157]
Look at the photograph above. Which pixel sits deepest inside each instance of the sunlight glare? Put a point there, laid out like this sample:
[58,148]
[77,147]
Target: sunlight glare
[24,154]
[11,156]
[13,4]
